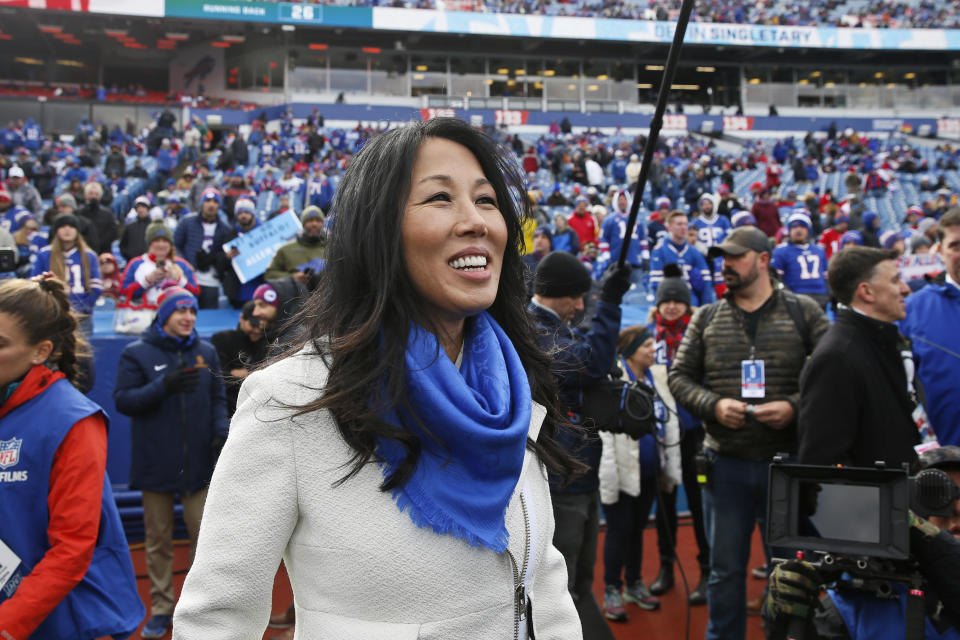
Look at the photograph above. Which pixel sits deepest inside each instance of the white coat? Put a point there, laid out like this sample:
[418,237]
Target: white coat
[360,569]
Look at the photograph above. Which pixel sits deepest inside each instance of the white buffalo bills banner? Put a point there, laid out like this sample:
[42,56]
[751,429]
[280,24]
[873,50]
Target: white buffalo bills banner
[258,247]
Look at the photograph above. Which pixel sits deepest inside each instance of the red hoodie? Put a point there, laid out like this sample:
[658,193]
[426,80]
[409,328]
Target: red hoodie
[76,489]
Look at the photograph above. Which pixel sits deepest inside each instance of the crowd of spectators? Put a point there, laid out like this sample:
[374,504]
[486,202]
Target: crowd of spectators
[880,14]
[120,182]
[145,219]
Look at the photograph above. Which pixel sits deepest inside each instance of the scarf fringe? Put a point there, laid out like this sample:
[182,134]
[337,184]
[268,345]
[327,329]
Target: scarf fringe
[437,519]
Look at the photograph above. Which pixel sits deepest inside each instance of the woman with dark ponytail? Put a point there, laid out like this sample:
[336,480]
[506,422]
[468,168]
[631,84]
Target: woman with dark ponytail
[65,569]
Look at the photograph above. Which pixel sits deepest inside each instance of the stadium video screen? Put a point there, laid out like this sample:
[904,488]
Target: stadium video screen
[840,511]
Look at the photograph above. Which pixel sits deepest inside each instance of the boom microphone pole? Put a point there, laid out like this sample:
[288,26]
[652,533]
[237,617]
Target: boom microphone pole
[669,71]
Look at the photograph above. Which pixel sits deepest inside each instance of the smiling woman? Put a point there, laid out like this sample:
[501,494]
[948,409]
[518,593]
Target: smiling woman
[402,445]
[454,237]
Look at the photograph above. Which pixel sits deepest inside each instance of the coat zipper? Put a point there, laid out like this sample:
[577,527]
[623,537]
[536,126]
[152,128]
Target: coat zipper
[519,576]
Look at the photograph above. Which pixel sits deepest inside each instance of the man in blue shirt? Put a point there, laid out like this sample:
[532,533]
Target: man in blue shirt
[933,318]
[615,227]
[711,227]
[674,249]
[801,265]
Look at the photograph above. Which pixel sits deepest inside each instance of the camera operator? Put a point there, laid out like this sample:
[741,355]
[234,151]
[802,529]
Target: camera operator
[857,392]
[848,614]
[737,370]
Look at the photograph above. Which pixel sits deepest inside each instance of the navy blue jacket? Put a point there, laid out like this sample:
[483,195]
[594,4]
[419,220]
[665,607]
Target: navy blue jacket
[170,433]
[188,238]
[579,358]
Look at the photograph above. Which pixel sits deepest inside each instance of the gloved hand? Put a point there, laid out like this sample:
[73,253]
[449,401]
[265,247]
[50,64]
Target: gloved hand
[182,380]
[616,282]
[203,260]
[792,590]
[920,528]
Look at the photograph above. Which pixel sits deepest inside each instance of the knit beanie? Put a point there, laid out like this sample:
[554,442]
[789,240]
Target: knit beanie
[559,275]
[544,231]
[800,216]
[172,299]
[919,240]
[673,288]
[158,230]
[926,224]
[244,203]
[65,220]
[741,218]
[851,237]
[311,212]
[889,238]
[267,293]
[210,193]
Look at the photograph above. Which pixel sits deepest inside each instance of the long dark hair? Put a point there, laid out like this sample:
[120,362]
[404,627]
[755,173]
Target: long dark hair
[359,317]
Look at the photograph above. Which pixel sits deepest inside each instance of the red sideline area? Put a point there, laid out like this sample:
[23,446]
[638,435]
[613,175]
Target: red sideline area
[666,624]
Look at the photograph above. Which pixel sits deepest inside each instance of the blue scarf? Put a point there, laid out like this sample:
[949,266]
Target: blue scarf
[481,415]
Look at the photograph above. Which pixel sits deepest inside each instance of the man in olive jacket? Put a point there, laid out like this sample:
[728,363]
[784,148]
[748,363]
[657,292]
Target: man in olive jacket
[307,251]
[738,370]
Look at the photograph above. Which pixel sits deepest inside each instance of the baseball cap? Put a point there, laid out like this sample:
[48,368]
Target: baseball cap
[740,241]
[15,172]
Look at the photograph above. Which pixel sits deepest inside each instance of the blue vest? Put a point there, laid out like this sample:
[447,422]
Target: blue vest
[105,602]
[868,617]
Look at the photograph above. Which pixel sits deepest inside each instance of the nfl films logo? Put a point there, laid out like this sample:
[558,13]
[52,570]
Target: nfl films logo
[9,452]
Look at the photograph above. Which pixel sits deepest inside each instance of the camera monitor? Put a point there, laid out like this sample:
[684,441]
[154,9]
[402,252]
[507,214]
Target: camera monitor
[839,510]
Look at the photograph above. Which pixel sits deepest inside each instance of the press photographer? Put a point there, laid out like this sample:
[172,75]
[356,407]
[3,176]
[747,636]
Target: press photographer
[869,601]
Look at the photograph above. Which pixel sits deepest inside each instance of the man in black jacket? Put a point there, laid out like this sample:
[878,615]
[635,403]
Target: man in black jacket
[239,351]
[580,358]
[116,161]
[857,392]
[133,241]
[99,217]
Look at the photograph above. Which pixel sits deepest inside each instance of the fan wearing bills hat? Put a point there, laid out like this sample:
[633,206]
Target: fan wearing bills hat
[244,221]
[170,384]
[275,303]
[801,265]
